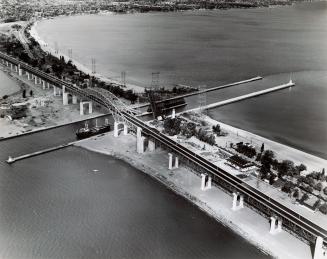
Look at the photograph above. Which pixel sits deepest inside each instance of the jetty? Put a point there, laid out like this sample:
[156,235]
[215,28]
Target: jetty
[244,97]
[11,160]
[206,90]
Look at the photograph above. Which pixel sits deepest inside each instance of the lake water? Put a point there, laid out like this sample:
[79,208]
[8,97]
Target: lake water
[215,47]
[55,206]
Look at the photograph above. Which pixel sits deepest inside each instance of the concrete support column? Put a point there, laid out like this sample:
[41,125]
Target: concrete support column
[74,99]
[203,181]
[138,132]
[241,205]
[43,84]
[176,162]
[151,145]
[272,225]
[28,76]
[209,182]
[63,89]
[318,252]
[65,98]
[90,108]
[234,207]
[20,71]
[35,80]
[279,225]
[170,164]
[81,108]
[125,129]
[173,114]
[11,65]
[7,63]
[54,90]
[48,85]
[140,145]
[116,129]
[16,69]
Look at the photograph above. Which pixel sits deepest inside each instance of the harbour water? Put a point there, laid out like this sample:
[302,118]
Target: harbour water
[74,203]
[215,47]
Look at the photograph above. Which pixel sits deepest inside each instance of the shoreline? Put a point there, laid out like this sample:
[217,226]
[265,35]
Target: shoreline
[281,150]
[83,68]
[186,183]
[45,47]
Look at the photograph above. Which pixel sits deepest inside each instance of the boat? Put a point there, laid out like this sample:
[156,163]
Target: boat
[87,132]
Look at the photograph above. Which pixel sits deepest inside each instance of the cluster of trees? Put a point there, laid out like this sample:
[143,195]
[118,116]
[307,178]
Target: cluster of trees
[245,149]
[175,126]
[216,129]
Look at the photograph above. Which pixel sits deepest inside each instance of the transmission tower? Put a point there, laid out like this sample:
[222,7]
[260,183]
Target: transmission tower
[123,78]
[202,99]
[155,80]
[93,66]
[70,54]
[56,48]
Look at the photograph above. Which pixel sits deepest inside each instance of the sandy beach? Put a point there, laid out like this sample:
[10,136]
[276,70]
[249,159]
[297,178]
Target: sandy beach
[215,201]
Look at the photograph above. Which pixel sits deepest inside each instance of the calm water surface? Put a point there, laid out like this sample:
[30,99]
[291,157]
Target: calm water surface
[56,206]
[215,47]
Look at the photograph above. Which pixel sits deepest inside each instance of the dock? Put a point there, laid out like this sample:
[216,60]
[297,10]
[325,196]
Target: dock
[244,97]
[11,160]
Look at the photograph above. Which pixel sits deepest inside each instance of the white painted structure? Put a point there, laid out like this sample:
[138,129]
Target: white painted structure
[205,182]
[170,164]
[275,225]
[238,201]
[81,107]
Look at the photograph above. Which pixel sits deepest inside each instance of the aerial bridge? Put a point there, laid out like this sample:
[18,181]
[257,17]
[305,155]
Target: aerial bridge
[279,215]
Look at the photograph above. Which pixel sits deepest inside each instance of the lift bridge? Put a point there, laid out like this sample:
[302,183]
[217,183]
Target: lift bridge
[280,215]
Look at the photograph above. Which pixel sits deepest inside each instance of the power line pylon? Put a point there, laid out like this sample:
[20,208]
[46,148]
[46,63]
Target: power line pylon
[123,78]
[93,66]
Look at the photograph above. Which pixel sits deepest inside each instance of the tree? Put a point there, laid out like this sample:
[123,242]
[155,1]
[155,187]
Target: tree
[296,194]
[323,208]
[304,197]
[286,167]
[262,148]
[266,160]
[302,167]
[216,129]
[288,186]
[325,190]
[318,187]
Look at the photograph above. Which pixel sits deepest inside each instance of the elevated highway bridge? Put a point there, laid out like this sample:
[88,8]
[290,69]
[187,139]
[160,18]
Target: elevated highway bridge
[291,220]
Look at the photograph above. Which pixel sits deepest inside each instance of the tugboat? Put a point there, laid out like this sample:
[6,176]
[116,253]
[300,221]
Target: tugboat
[87,132]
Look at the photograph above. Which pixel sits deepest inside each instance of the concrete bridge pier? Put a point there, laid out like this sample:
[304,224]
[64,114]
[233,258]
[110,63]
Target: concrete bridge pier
[319,251]
[275,225]
[171,166]
[173,114]
[238,201]
[54,90]
[74,99]
[65,98]
[205,182]
[125,129]
[63,89]
[20,71]
[16,69]
[151,145]
[43,84]
[36,81]
[28,75]
[81,106]
[48,85]
[11,66]
[139,141]
[116,129]
[7,63]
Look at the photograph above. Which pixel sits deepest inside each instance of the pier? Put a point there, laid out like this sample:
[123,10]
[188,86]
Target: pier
[11,160]
[244,97]
[206,90]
